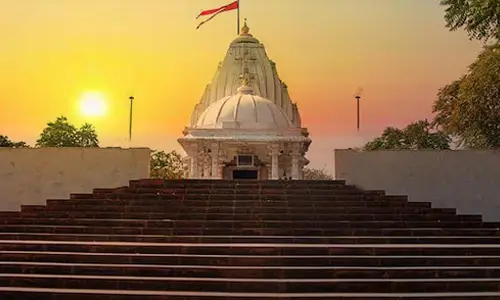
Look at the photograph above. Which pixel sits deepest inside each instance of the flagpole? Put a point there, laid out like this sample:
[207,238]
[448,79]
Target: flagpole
[238,18]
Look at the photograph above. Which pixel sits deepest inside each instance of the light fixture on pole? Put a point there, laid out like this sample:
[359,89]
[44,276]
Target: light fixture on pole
[131,98]
[357,95]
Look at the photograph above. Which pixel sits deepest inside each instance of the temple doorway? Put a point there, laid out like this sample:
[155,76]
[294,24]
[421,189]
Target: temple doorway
[245,174]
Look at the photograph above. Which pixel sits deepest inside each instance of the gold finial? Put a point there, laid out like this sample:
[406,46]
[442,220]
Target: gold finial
[245,30]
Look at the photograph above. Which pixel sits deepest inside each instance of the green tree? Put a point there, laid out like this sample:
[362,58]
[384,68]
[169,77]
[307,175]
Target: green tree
[416,136]
[86,136]
[480,18]
[316,174]
[61,133]
[468,108]
[166,165]
[6,142]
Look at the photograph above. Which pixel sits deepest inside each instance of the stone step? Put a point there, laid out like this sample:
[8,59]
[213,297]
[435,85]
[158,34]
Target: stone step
[158,183]
[239,216]
[238,189]
[249,271]
[302,192]
[20,293]
[252,239]
[252,248]
[254,285]
[234,194]
[113,230]
[242,224]
[235,210]
[243,210]
[237,194]
[220,201]
[253,260]
[212,271]
[173,205]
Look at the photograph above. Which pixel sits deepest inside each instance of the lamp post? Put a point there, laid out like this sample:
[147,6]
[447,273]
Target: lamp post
[131,98]
[357,110]
[357,95]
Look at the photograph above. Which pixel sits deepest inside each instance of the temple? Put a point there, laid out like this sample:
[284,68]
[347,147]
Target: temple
[245,126]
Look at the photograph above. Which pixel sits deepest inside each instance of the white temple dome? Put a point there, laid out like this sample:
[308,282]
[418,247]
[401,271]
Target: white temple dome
[245,110]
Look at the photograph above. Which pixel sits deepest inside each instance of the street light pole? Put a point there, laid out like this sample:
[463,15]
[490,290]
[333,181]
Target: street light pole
[357,109]
[357,95]
[131,98]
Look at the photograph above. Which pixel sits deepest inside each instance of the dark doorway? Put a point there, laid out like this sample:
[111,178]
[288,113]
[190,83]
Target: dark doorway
[245,174]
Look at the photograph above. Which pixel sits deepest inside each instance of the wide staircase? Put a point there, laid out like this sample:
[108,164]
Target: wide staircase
[204,239]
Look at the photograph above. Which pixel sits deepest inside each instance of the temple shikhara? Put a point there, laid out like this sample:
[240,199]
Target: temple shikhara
[245,126]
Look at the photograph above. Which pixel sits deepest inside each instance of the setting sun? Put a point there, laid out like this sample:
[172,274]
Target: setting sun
[93,104]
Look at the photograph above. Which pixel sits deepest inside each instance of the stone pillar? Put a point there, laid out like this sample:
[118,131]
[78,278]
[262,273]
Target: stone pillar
[206,167]
[275,152]
[295,167]
[295,162]
[200,166]
[301,168]
[192,167]
[215,160]
[193,162]
[186,166]
[221,163]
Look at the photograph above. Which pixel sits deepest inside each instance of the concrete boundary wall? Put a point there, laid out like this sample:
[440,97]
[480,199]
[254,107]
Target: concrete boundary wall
[466,180]
[32,175]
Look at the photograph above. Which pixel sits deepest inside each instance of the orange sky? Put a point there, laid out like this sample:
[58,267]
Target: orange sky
[53,51]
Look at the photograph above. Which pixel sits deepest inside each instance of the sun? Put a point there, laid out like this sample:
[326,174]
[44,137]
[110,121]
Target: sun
[93,104]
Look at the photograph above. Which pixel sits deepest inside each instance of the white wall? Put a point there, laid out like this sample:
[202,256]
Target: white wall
[466,180]
[31,175]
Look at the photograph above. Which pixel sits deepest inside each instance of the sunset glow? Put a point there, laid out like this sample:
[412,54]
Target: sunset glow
[52,51]
[93,104]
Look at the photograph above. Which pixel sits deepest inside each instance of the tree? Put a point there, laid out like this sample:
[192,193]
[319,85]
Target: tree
[86,136]
[468,108]
[480,18]
[166,165]
[63,134]
[316,174]
[416,136]
[6,142]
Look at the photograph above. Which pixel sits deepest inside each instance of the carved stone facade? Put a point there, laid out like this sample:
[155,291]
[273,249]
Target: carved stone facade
[270,160]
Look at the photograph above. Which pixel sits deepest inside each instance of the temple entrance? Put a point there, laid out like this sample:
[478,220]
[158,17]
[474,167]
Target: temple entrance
[245,174]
